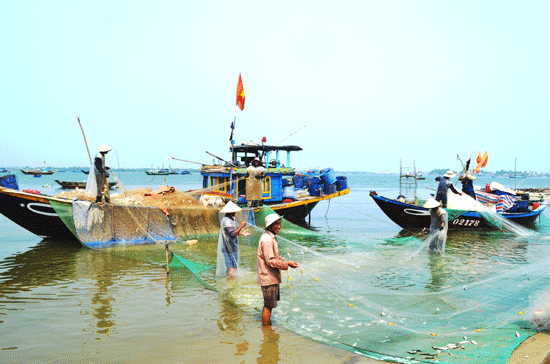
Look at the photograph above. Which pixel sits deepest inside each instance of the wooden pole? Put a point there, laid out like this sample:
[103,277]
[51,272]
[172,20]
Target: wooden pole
[167,259]
[85,142]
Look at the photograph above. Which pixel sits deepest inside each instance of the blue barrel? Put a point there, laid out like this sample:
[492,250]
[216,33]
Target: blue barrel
[9,181]
[315,186]
[299,181]
[341,183]
[288,192]
[329,188]
[328,176]
[241,199]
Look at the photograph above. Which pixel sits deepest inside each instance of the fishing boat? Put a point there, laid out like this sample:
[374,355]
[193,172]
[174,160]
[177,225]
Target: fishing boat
[95,224]
[286,191]
[3,170]
[81,185]
[411,215]
[158,172]
[37,172]
[34,212]
[179,171]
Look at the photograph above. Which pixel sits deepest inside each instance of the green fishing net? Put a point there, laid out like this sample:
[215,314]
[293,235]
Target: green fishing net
[390,299]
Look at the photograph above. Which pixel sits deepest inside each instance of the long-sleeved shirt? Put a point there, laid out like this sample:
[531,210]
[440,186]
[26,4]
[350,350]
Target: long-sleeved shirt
[445,184]
[269,263]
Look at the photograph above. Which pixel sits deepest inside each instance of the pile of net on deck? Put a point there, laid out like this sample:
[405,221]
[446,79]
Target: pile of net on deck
[139,216]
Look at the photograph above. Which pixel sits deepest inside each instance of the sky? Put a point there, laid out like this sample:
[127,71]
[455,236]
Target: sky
[359,85]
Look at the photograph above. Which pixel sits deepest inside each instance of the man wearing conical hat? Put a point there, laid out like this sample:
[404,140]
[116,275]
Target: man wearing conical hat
[98,179]
[438,226]
[254,182]
[444,185]
[228,239]
[269,265]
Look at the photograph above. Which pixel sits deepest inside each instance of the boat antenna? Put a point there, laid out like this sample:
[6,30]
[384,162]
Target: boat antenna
[85,142]
[290,135]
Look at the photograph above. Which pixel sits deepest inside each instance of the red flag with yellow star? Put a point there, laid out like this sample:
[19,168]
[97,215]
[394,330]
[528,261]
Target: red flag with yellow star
[240,93]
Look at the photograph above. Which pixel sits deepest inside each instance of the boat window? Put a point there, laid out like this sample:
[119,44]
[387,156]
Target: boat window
[267,184]
[241,186]
[217,184]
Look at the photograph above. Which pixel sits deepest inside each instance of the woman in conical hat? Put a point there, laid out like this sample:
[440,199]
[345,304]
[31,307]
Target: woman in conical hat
[438,226]
[228,243]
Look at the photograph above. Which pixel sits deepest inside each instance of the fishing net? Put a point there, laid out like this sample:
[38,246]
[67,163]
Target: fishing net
[391,298]
[388,299]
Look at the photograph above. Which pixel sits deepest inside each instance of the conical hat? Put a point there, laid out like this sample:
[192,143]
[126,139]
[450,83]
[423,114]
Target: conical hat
[104,148]
[230,207]
[449,174]
[271,218]
[431,203]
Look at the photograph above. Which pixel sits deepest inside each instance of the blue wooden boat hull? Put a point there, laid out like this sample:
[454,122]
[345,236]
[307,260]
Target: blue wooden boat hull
[410,216]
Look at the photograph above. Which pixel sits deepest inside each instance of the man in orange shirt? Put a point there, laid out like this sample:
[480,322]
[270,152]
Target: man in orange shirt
[269,265]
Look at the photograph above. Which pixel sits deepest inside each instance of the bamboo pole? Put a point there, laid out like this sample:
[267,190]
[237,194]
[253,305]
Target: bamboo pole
[167,259]
[85,142]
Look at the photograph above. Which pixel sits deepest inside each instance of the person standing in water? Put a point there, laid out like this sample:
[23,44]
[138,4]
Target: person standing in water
[228,239]
[444,185]
[269,266]
[438,227]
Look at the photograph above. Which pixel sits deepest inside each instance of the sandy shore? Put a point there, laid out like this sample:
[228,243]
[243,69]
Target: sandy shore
[534,350]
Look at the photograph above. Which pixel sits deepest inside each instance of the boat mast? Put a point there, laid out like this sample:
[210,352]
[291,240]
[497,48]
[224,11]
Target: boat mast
[515,172]
[405,183]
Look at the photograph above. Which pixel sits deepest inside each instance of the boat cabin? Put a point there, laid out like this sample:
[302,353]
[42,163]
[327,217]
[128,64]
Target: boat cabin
[229,177]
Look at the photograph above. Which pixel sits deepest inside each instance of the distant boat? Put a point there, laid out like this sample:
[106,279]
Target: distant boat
[158,172]
[37,172]
[3,170]
[81,185]
[84,171]
[179,171]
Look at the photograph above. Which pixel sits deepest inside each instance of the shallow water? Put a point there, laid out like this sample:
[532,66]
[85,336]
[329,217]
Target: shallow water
[60,302]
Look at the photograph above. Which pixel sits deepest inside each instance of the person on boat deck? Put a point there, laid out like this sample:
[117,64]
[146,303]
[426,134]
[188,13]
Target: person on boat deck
[438,227]
[269,265]
[254,178]
[468,184]
[228,239]
[100,175]
[444,185]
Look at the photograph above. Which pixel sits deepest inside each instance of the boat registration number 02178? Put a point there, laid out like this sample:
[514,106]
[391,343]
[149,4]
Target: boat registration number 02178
[466,222]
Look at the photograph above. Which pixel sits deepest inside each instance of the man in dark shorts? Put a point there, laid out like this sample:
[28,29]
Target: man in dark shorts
[269,265]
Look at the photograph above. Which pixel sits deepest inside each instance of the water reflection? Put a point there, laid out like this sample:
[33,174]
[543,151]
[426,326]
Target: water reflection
[231,321]
[230,318]
[64,271]
[440,272]
[269,349]
[50,261]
